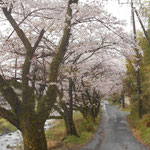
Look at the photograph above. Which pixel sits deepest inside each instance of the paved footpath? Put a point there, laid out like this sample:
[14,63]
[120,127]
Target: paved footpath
[113,132]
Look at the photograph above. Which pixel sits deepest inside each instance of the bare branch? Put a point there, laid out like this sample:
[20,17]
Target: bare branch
[8,115]
[10,95]
[18,30]
[38,40]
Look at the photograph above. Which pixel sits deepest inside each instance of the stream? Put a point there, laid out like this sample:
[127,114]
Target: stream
[11,140]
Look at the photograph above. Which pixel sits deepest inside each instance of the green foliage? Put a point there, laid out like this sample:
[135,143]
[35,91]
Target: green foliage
[134,110]
[115,98]
[6,127]
[87,125]
[145,75]
[84,137]
[130,81]
[140,127]
[56,132]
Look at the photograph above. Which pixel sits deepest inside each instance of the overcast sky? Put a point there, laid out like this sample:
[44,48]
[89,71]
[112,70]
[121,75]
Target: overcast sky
[122,11]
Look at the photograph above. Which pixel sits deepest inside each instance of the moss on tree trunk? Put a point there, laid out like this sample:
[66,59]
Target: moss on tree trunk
[33,134]
[34,139]
[70,126]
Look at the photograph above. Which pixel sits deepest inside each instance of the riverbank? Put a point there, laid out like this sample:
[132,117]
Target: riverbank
[13,140]
[6,127]
[55,135]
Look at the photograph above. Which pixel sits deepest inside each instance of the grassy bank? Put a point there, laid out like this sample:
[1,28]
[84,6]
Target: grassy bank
[116,103]
[127,108]
[140,128]
[57,136]
[6,127]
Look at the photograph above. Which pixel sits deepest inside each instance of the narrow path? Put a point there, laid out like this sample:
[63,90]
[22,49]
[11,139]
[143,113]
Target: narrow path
[113,132]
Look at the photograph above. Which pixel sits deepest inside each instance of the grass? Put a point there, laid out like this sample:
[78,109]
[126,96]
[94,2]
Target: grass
[127,107]
[114,103]
[6,127]
[57,136]
[140,128]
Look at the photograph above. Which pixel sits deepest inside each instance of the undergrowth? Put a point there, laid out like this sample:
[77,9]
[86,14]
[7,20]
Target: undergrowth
[6,127]
[140,127]
[57,136]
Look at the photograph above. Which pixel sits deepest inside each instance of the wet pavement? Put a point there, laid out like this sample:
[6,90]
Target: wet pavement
[113,133]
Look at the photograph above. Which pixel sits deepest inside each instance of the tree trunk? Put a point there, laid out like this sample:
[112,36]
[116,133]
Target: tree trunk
[140,108]
[70,126]
[32,127]
[97,109]
[70,100]
[85,113]
[123,99]
[34,138]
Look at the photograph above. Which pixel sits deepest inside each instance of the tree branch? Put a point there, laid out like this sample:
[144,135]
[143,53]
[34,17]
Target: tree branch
[38,40]
[10,95]
[18,30]
[8,115]
[26,92]
[51,94]
[58,110]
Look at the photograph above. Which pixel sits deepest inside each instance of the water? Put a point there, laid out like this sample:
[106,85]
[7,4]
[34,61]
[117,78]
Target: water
[8,141]
[11,140]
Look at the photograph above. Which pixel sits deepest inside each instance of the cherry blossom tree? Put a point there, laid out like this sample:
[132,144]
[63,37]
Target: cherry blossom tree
[89,69]
[25,113]
[48,47]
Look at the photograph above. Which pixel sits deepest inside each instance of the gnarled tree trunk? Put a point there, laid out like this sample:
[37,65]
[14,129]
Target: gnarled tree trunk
[34,137]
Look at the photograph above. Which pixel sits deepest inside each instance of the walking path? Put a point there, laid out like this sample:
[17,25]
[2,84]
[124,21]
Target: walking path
[113,132]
